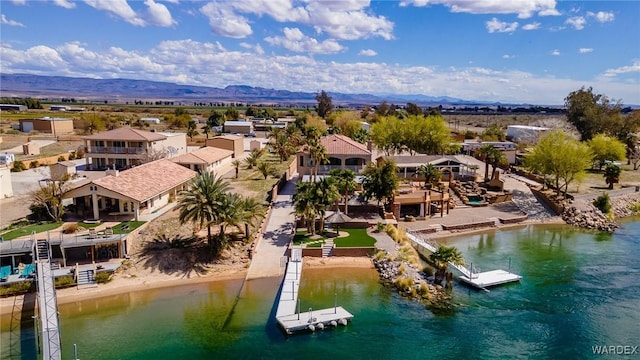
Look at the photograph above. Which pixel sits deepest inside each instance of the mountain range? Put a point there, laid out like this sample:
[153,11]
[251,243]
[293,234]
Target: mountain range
[127,90]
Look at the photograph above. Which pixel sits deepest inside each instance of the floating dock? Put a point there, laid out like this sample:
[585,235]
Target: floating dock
[288,313]
[479,280]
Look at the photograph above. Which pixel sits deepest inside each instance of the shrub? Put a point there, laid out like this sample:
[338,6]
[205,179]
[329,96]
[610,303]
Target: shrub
[635,207]
[80,152]
[70,228]
[17,288]
[34,164]
[103,277]
[404,283]
[469,135]
[13,132]
[62,158]
[18,166]
[379,226]
[423,290]
[603,203]
[402,269]
[64,281]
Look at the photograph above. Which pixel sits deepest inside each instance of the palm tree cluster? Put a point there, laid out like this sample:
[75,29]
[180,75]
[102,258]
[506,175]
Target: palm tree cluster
[313,199]
[285,142]
[208,202]
[430,173]
[491,156]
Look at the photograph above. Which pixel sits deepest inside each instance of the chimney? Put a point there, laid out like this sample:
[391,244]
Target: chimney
[112,172]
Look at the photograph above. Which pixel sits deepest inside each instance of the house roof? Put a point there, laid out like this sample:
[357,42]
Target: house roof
[237,123]
[228,137]
[148,180]
[343,145]
[126,134]
[206,155]
[417,160]
[66,163]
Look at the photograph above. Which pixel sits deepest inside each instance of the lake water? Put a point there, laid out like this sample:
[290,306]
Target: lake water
[578,290]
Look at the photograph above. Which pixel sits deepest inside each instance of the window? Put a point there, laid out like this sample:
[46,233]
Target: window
[301,160]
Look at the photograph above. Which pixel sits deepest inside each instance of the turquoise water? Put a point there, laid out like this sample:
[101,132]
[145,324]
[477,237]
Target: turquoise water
[578,290]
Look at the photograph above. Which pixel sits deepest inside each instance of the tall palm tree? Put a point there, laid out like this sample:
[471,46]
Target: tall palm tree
[236,164]
[325,194]
[318,154]
[203,201]
[345,182]
[252,212]
[491,156]
[304,204]
[442,257]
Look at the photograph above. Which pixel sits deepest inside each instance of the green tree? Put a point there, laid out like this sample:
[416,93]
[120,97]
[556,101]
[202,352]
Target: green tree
[284,142]
[429,172]
[442,257]
[413,109]
[426,135]
[192,129]
[317,154]
[386,134]
[612,175]
[559,157]
[605,148]
[203,202]
[252,159]
[304,204]
[49,196]
[236,164]
[265,168]
[488,154]
[325,105]
[206,130]
[326,194]
[216,118]
[593,114]
[380,181]
[494,133]
[232,114]
[345,182]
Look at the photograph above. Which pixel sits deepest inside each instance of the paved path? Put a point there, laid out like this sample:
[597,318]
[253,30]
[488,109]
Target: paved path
[278,234]
[585,201]
[524,198]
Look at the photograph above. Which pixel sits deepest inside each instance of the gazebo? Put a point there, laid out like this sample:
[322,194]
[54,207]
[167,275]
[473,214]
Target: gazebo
[336,219]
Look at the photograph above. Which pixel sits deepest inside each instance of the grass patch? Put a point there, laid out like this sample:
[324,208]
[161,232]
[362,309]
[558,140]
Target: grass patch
[89,226]
[27,230]
[127,227]
[301,237]
[356,238]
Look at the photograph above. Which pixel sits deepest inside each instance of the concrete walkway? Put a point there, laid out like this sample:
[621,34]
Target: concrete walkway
[266,261]
[524,198]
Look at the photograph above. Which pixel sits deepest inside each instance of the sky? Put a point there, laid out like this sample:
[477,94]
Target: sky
[511,51]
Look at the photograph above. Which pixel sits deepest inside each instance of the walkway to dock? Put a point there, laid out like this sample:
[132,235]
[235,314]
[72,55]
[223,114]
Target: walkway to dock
[290,318]
[272,247]
[47,304]
[480,280]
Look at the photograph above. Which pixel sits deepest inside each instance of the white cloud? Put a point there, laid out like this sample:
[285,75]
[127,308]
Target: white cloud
[578,22]
[342,20]
[210,64]
[555,52]
[524,9]
[5,21]
[65,4]
[295,40]
[602,16]
[532,26]
[225,22]
[508,56]
[257,48]
[585,50]
[19,2]
[158,14]
[633,68]
[494,25]
[118,7]
[367,52]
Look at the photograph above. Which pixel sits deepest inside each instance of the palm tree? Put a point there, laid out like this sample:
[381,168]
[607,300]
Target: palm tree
[206,130]
[442,257]
[429,172]
[236,164]
[265,168]
[252,159]
[304,204]
[612,174]
[230,214]
[203,201]
[345,182]
[325,194]
[485,153]
[252,211]
[283,143]
[318,154]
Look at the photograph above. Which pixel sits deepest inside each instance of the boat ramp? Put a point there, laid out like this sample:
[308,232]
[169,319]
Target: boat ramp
[479,280]
[288,313]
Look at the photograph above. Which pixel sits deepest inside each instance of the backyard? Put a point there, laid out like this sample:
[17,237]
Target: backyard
[354,238]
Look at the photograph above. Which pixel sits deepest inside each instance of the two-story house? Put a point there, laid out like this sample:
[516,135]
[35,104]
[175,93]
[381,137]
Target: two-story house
[126,147]
[342,153]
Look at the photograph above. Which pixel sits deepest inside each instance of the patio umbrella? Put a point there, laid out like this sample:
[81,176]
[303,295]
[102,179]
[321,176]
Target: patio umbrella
[336,219]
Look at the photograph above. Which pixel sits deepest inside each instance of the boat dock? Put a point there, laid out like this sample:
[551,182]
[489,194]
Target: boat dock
[479,280]
[288,313]
[47,304]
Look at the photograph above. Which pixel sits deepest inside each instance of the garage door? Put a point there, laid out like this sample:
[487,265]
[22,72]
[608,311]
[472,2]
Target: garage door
[27,127]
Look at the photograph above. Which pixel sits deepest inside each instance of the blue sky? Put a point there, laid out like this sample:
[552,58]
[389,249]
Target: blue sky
[517,51]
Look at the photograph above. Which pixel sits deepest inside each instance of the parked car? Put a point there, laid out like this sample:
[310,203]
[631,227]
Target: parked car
[251,134]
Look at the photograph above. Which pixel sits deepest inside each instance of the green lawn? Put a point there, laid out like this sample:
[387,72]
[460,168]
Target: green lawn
[356,238]
[27,230]
[127,227]
[301,237]
[84,225]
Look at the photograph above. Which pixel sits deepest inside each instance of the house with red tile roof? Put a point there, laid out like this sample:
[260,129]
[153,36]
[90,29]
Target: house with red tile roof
[126,147]
[137,191]
[342,153]
[207,158]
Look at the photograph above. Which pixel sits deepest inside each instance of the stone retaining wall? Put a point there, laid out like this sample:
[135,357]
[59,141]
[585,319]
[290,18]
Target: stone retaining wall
[469,225]
[513,220]
[353,251]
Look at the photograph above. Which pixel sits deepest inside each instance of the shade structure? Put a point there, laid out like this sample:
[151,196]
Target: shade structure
[336,219]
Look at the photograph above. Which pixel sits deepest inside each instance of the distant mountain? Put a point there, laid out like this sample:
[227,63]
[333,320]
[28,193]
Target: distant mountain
[56,87]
